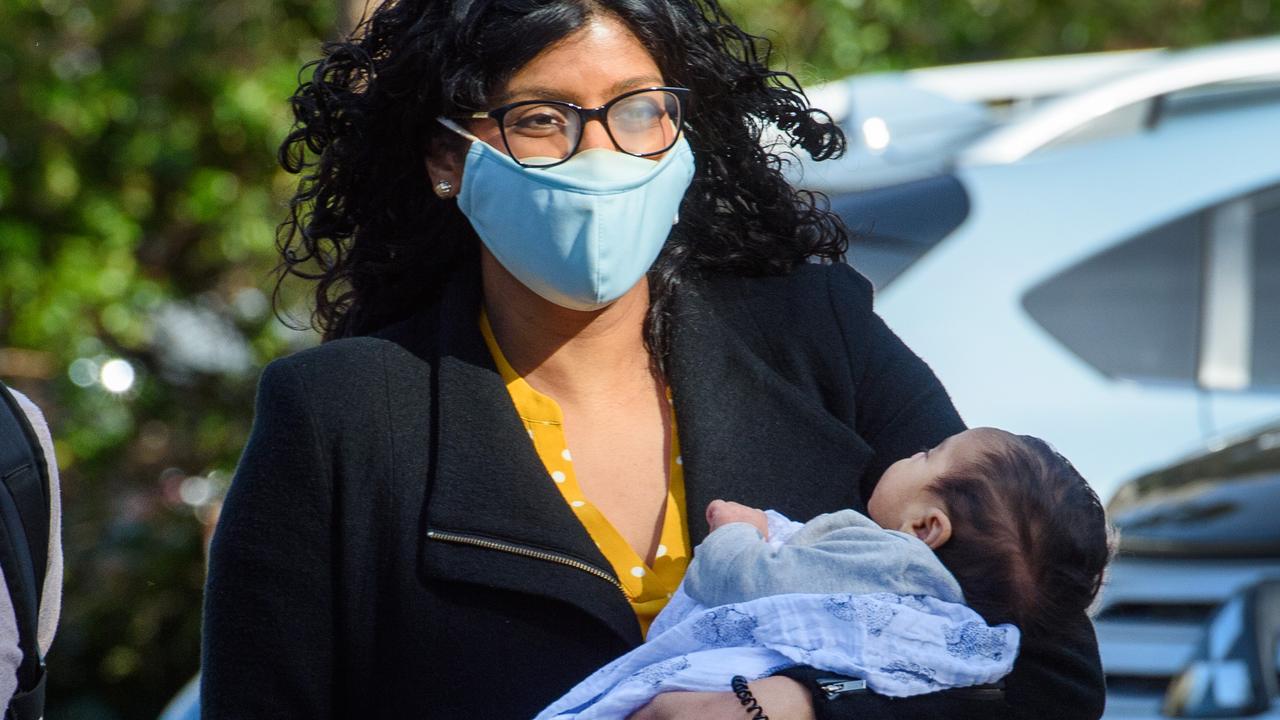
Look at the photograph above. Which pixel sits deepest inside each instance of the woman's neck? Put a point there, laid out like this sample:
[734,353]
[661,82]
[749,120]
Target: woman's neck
[570,355]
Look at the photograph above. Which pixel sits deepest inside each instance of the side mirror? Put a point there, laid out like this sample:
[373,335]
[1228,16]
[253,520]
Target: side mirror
[1233,672]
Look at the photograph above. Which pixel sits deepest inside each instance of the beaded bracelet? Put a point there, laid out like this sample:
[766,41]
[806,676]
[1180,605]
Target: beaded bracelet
[739,685]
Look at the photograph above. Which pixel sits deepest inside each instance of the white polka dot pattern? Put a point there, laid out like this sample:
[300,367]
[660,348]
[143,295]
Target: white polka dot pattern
[648,585]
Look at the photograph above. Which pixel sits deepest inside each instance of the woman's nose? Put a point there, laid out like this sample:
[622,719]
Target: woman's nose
[594,135]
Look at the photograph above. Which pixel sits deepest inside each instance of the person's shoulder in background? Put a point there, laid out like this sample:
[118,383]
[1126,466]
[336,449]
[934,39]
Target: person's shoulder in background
[51,593]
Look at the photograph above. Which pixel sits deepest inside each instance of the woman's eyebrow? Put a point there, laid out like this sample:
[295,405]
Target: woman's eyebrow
[635,83]
[529,92]
[543,92]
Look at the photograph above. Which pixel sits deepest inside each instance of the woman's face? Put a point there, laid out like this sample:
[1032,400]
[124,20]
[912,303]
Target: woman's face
[592,66]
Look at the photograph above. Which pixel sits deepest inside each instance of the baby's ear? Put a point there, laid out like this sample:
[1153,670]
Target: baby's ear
[932,526]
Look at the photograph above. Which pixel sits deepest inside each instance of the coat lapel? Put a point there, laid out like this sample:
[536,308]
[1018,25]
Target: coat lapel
[489,485]
[747,434]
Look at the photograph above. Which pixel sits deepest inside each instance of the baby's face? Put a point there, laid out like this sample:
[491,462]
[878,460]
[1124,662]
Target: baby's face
[904,486]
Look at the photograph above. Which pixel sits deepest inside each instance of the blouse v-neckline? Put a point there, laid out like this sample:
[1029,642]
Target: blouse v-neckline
[647,586]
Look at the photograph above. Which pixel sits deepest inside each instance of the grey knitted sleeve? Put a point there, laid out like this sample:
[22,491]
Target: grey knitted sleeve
[842,552]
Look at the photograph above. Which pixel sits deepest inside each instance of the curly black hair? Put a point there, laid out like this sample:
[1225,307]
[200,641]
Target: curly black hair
[366,227]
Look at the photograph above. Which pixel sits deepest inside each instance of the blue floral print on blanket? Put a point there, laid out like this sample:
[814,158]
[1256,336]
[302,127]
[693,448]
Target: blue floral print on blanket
[901,645]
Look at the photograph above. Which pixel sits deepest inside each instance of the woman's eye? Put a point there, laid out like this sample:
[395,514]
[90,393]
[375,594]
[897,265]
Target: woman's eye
[538,120]
[636,114]
[544,119]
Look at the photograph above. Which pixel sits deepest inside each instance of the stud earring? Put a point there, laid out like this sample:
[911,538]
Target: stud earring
[444,189]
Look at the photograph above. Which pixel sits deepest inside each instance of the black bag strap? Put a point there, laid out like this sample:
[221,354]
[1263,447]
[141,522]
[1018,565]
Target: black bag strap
[28,704]
[24,545]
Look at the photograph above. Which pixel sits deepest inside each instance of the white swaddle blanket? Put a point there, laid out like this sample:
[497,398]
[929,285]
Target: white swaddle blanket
[899,644]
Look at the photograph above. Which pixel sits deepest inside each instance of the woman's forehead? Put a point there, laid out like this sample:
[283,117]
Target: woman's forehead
[589,67]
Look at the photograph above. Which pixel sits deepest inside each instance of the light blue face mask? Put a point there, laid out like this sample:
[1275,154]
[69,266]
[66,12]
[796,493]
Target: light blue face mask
[582,233]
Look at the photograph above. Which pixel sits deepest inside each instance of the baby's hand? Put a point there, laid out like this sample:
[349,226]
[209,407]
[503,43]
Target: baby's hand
[723,512]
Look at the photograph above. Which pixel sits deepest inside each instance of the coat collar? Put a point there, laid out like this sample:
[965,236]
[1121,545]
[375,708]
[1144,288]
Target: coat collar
[745,434]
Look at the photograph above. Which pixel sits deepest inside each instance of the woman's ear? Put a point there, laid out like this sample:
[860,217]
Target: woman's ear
[931,525]
[443,164]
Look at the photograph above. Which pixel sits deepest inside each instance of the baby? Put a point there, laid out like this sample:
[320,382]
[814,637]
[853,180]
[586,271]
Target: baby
[999,522]
[996,522]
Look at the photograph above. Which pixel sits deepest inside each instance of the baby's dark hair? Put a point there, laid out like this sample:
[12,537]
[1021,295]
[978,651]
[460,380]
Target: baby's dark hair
[1029,537]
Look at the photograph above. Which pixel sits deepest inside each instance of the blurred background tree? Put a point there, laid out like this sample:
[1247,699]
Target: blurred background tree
[138,196]
[138,199]
[827,39]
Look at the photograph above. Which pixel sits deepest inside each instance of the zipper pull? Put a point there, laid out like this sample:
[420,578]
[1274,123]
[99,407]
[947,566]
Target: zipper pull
[834,687]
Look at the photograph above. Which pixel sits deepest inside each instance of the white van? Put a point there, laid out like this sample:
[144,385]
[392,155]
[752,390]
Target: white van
[1099,267]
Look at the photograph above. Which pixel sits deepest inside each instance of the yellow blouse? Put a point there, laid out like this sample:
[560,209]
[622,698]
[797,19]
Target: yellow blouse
[647,588]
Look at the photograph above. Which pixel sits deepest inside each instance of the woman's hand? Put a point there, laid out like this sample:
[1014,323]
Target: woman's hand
[781,698]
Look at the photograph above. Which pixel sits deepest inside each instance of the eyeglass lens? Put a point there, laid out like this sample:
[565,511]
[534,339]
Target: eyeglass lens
[546,133]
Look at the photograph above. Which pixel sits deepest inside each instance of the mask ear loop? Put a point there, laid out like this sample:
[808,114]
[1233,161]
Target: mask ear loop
[680,134]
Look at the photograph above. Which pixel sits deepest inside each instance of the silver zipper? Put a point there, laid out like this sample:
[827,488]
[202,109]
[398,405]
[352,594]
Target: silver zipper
[524,551]
[834,687]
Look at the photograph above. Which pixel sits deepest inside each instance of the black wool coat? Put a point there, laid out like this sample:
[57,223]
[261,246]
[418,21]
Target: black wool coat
[391,546]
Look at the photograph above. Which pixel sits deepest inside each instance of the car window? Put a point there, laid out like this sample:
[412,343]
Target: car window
[1131,311]
[1265,358]
[892,227]
[1140,310]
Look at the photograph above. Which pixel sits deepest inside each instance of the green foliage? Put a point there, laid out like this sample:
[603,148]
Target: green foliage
[138,194]
[138,197]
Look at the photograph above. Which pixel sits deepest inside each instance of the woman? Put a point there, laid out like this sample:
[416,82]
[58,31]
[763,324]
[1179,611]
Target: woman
[568,303]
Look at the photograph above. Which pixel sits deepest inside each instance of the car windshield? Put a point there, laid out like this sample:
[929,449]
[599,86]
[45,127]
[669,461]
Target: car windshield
[892,227]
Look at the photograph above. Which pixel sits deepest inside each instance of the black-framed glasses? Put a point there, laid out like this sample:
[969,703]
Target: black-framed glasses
[543,133]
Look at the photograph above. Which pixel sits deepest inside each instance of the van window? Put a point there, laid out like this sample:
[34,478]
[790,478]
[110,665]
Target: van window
[1131,311]
[1137,310]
